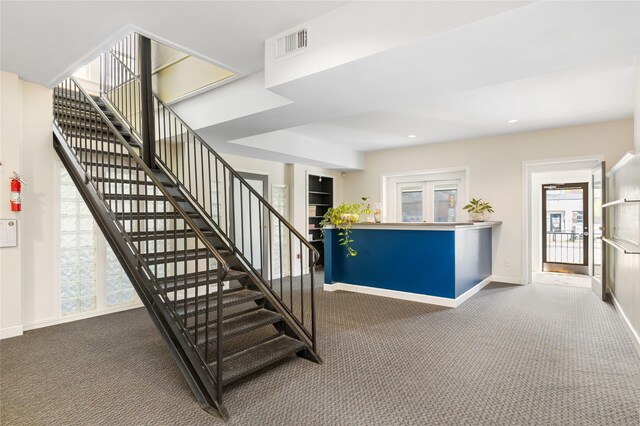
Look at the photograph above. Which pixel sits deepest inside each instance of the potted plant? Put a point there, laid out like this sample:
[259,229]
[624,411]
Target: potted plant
[477,208]
[343,217]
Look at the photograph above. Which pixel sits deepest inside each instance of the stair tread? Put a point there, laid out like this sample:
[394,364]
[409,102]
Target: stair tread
[125,181]
[151,216]
[180,282]
[163,235]
[239,324]
[132,166]
[102,152]
[229,298]
[135,197]
[180,255]
[251,360]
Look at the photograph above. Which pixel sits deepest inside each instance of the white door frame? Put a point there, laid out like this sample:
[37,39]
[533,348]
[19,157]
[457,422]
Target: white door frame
[540,166]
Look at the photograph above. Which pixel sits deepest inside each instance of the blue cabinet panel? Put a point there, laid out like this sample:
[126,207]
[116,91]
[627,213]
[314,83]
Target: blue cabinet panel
[421,262]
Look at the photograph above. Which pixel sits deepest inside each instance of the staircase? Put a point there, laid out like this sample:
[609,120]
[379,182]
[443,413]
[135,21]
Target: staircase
[220,271]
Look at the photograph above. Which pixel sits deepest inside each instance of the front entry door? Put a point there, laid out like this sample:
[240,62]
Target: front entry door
[565,228]
[599,284]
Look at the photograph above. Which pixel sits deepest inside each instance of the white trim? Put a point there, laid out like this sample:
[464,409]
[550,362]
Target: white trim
[508,279]
[90,56]
[157,38]
[81,316]
[634,333]
[620,164]
[8,332]
[203,89]
[413,297]
[530,167]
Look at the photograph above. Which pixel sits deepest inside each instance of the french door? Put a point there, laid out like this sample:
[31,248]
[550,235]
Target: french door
[565,228]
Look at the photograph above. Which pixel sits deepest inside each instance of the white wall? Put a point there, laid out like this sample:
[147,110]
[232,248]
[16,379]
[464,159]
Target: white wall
[495,169]
[28,272]
[636,115]
[10,156]
[40,167]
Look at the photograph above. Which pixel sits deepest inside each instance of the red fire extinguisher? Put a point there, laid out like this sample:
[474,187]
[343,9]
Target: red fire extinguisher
[16,187]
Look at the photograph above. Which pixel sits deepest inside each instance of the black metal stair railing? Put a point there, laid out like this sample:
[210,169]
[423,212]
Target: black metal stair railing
[269,246]
[138,203]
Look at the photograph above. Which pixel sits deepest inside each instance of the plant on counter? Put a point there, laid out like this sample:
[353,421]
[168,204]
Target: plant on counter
[477,208]
[343,217]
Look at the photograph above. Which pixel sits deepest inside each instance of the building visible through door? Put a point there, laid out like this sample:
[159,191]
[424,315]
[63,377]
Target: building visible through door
[565,228]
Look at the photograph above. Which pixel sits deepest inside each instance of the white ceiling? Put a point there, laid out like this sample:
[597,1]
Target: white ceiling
[547,64]
[45,41]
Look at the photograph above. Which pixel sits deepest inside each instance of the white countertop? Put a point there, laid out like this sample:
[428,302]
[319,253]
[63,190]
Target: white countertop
[423,226]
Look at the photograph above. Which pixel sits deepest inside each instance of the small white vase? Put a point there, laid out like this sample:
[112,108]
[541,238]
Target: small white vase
[350,217]
[476,217]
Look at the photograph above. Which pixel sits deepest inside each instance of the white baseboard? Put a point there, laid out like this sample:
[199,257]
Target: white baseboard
[7,332]
[413,297]
[473,290]
[634,333]
[81,316]
[507,279]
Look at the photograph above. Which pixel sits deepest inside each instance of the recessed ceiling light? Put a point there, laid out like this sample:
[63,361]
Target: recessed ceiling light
[411,136]
[512,121]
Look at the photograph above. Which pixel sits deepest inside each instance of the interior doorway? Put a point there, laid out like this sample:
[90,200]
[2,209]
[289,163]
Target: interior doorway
[585,246]
[560,252]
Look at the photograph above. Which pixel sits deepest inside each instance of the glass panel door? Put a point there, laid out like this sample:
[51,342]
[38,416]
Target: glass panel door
[411,203]
[565,228]
[445,202]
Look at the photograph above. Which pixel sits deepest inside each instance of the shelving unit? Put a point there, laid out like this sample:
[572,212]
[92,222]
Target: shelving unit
[319,199]
[620,244]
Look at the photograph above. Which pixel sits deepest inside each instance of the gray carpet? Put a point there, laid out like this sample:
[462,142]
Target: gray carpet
[511,355]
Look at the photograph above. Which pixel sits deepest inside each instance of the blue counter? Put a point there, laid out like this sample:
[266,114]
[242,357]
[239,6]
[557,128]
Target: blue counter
[442,264]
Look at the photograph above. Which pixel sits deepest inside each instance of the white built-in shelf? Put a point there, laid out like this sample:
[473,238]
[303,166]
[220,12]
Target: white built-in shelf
[319,205]
[319,193]
[622,201]
[623,246]
[315,241]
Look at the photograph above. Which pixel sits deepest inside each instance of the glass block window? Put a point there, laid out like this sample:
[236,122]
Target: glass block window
[77,250]
[118,286]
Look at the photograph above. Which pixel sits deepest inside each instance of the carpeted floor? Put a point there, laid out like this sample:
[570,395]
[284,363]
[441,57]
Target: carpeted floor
[511,355]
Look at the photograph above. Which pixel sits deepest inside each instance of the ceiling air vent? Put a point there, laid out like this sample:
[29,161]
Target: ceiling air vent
[290,43]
